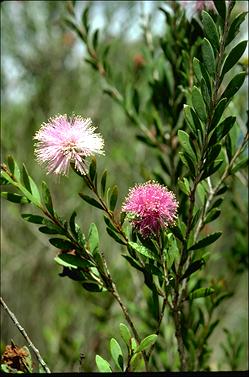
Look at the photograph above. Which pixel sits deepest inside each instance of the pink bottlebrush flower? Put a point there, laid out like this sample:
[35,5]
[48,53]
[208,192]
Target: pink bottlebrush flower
[150,207]
[66,139]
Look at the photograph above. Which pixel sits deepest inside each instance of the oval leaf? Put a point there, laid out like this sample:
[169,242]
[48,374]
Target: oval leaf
[208,57]
[117,354]
[102,364]
[142,250]
[125,333]
[210,30]
[146,342]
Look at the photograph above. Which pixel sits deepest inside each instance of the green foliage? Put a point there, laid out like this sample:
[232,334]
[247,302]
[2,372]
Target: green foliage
[177,91]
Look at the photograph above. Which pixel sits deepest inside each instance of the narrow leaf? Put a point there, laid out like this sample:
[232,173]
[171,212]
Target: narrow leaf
[210,30]
[234,85]
[218,112]
[206,241]
[14,198]
[91,201]
[185,143]
[103,182]
[208,57]
[92,169]
[235,26]
[199,104]
[93,238]
[201,292]
[233,57]
[115,236]
[222,130]
[61,244]
[74,261]
[47,198]
[220,5]
[113,198]
[35,219]
[195,266]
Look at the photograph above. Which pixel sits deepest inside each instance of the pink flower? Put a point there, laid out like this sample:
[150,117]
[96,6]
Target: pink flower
[67,139]
[150,207]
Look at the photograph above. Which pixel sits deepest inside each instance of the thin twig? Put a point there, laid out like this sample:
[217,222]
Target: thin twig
[23,332]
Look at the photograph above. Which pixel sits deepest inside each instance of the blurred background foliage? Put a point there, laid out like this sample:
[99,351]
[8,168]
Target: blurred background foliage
[43,74]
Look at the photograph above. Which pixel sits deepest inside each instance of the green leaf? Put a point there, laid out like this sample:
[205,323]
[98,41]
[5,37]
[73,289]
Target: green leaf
[146,342]
[102,364]
[95,39]
[205,93]
[206,241]
[192,119]
[35,219]
[92,286]
[92,168]
[184,185]
[199,104]
[210,30]
[234,85]
[185,143]
[187,161]
[91,201]
[53,229]
[115,236]
[197,69]
[61,244]
[73,261]
[31,186]
[233,57]
[142,250]
[212,215]
[93,238]
[213,153]
[171,253]
[14,169]
[218,112]
[14,198]
[117,354]
[222,130]
[208,57]
[235,26]
[240,165]
[220,5]
[195,266]
[84,18]
[103,182]
[113,198]
[125,334]
[211,169]
[201,292]
[136,361]
[133,262]
[46,196]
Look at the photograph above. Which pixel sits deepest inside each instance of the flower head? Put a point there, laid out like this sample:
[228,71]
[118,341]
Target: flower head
[150,207]
[66,139]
